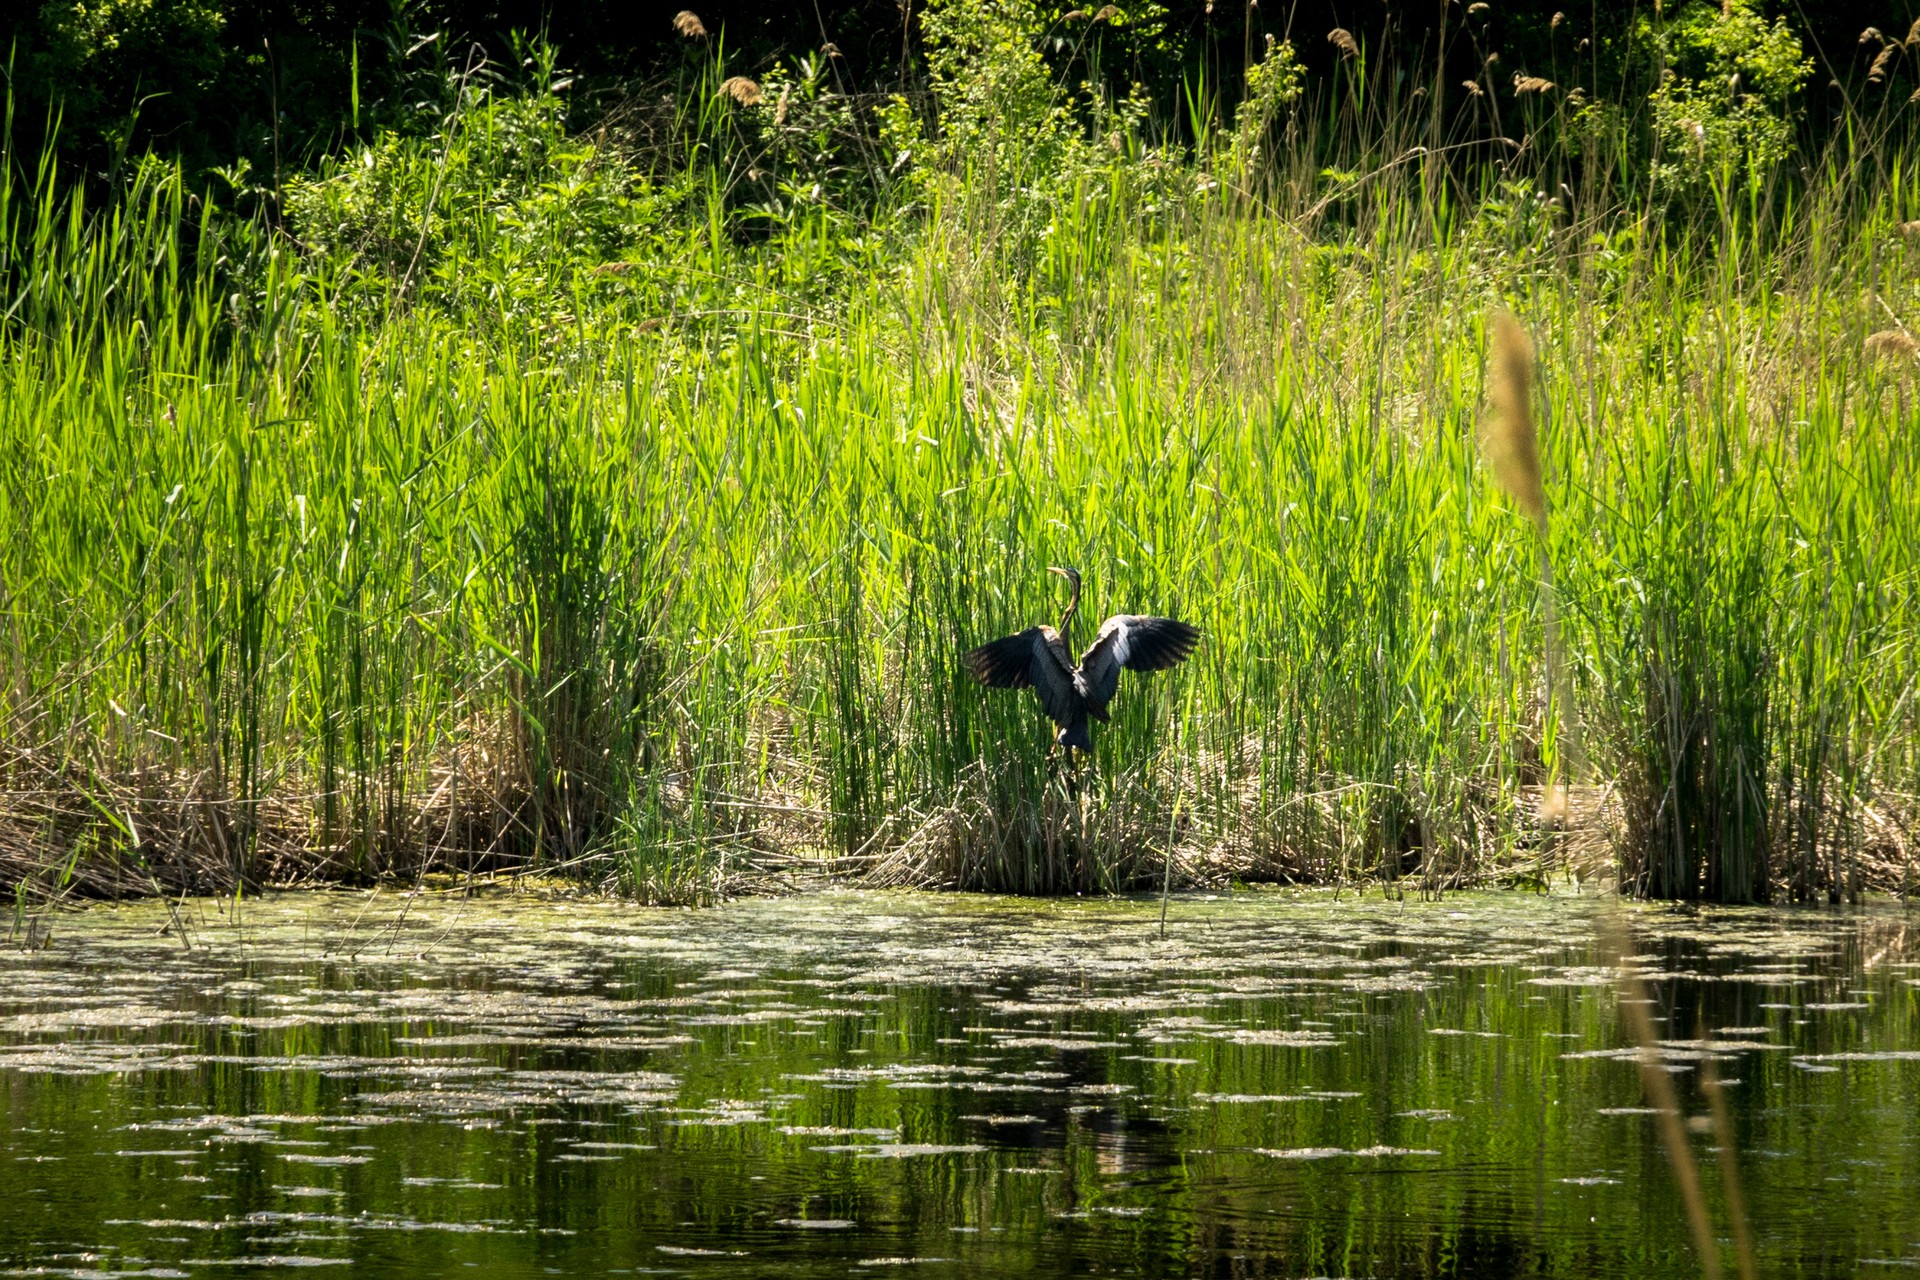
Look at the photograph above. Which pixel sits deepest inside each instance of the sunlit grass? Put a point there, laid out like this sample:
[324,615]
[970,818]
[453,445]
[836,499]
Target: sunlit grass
[668,588]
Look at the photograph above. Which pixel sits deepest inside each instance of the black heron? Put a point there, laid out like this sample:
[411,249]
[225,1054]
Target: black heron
[1072,692]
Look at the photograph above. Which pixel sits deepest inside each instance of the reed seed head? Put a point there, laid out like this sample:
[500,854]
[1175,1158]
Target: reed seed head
[742,90]
[1508,440]
[1530,84]
[1342,39]
[1892,344]
[688,24]
[1878,71]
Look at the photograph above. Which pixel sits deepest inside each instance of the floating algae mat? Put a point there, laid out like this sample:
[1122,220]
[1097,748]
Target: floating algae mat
[834,1085]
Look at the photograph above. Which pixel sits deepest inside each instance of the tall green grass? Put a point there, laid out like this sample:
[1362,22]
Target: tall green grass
[542,521]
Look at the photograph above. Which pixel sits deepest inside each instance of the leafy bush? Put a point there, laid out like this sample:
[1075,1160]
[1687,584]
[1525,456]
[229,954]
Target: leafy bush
[107,61]
[1722,111]
[499,215]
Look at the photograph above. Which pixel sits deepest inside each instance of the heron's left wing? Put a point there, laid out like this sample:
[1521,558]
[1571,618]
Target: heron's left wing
[1136,641]
[1031,657]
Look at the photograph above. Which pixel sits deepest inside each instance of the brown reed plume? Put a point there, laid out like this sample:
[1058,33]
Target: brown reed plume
[1510,443]
[1892,344]
[1508,440]
[742,90]
[688,24]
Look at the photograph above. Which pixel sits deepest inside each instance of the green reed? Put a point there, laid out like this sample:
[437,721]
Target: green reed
[647,555]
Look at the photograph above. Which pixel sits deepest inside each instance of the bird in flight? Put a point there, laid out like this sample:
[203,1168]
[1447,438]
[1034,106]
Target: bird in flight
[1072,692]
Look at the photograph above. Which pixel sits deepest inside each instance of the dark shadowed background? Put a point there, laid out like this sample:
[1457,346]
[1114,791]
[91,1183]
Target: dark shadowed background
[277,84]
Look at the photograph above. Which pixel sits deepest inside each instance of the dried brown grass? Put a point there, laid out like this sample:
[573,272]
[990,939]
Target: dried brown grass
[1892,344]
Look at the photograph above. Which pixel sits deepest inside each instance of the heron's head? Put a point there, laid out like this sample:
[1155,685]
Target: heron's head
[1071,575]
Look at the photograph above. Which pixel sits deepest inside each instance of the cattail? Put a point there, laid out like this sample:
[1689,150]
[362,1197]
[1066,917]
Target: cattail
[1530,84]
[1508,440]
[1342,39]
[688,24]
[1878,72]
[1892,344]
[742,90]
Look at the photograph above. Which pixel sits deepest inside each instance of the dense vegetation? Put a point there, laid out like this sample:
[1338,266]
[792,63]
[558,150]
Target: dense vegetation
[614,495]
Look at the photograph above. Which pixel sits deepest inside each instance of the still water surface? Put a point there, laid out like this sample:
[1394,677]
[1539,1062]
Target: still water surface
[1286,1086]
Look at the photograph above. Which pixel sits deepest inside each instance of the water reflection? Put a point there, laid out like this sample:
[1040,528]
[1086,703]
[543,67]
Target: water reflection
[1284,1086]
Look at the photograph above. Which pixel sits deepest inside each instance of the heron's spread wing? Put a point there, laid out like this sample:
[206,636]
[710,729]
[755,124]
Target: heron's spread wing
[1138,642]
[1027,657]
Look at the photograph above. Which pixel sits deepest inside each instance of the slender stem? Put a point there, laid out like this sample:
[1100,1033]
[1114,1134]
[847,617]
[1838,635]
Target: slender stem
[1723,1142]
[1633,1001]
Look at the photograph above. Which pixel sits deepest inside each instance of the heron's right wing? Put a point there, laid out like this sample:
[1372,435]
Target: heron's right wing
[1027,658]
[1138,642]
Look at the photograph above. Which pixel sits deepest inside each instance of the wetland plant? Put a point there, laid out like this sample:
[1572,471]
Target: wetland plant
[522,498]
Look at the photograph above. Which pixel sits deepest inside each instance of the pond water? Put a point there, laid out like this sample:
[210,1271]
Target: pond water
[1286,1085]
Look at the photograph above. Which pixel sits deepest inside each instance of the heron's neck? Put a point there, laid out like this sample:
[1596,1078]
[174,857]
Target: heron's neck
[1066,619]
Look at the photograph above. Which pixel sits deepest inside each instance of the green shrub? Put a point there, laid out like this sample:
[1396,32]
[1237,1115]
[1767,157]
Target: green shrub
[1723,108]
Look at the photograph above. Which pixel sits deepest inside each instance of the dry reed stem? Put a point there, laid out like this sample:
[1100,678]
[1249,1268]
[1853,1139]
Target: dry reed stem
[1633,1001]
[1723,1145]
[1510,442]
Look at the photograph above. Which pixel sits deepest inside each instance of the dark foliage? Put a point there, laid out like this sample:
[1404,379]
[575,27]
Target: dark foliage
[277,84]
